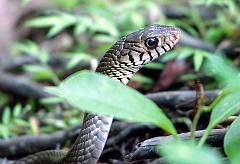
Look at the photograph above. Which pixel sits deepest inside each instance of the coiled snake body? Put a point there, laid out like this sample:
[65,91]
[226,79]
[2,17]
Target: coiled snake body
[120,62]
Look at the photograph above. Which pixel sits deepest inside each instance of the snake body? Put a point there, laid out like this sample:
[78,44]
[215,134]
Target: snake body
[120,62]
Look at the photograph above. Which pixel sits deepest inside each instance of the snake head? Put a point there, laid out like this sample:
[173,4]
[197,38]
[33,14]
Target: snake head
[145,45]
[137,49]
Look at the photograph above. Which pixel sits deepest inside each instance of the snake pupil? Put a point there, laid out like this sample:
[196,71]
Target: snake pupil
[151,42]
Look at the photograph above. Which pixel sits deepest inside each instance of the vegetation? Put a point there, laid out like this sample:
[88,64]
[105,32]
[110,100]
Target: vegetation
[102,23]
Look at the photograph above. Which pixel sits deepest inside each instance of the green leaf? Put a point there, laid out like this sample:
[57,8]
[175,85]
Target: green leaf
[6,117]
[43,75]
[17,110]
[51,100]
[44,21]
[55,30]
[227,106]
[105,26]
[78,58]
[154,65]
[79,29]
[21,122]
[218,67]
[105,38]
[82,24]
[187,153]
[34,68]
[44,56]
[143,79]
[4,131]
[25,2]
[185,52]
[231,142]
[198,60]
[98,93]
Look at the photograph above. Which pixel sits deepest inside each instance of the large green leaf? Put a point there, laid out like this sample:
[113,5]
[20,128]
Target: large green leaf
[232,142]
[227,106]
[98,93]
[188,153]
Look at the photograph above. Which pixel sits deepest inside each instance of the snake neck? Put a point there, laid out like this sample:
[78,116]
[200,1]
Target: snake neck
[110,65]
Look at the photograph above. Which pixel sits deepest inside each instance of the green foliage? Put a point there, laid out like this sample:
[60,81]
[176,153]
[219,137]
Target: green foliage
[100,94]
[107,22]
[76,58]
[231,142]
[60,21]
[143,79]
[12,124]
[25,2]
[227,106]
[228,102]
[41,71]
[97,93]
[186,152]
[184,52]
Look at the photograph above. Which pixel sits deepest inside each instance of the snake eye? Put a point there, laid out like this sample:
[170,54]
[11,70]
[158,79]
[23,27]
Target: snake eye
[151,42]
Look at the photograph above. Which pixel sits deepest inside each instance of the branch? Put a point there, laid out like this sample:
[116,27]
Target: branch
[180,99]
[21,86]
[27,144]
[149,148]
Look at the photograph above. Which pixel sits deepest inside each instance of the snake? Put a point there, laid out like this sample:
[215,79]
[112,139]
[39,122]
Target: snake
[120,62]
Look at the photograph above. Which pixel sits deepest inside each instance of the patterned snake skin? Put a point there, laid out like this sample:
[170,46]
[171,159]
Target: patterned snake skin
[120,62]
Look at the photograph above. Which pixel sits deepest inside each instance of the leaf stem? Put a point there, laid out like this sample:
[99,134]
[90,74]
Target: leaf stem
[195,122]
[204,137]
[209,108]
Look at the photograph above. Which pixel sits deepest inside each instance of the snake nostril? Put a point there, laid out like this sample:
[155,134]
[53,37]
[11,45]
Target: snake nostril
[175,36]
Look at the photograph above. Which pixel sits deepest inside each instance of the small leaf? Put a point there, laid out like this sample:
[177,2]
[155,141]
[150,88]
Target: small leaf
[77,58]
[79,29]
[44,21]
[187,153]
[105,26]
[231,142]
[4,131]
[185,52]
[198,60]
[227,106]
[105,38]
[42,75]
[98,93]
[143,79]
[17,110]
[82,24]
[44,57]
[21,122]
[33,68]
[154,65]
[6,117]
[34,125]
[218,67]
[55,30]
[51,100]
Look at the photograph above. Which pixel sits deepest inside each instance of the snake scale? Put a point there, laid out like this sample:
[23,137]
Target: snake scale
[120,62]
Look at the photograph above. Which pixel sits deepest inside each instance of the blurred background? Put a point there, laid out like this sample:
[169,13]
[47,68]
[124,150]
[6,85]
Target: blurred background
[43,42]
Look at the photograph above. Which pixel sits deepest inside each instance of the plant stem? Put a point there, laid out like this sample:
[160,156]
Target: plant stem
[209,108]
[204,137]
[195,122]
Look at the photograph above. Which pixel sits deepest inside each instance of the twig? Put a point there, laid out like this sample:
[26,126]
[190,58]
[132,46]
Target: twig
[27,144]
[149,148]
[129,131]
[180,99]
[21,86]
